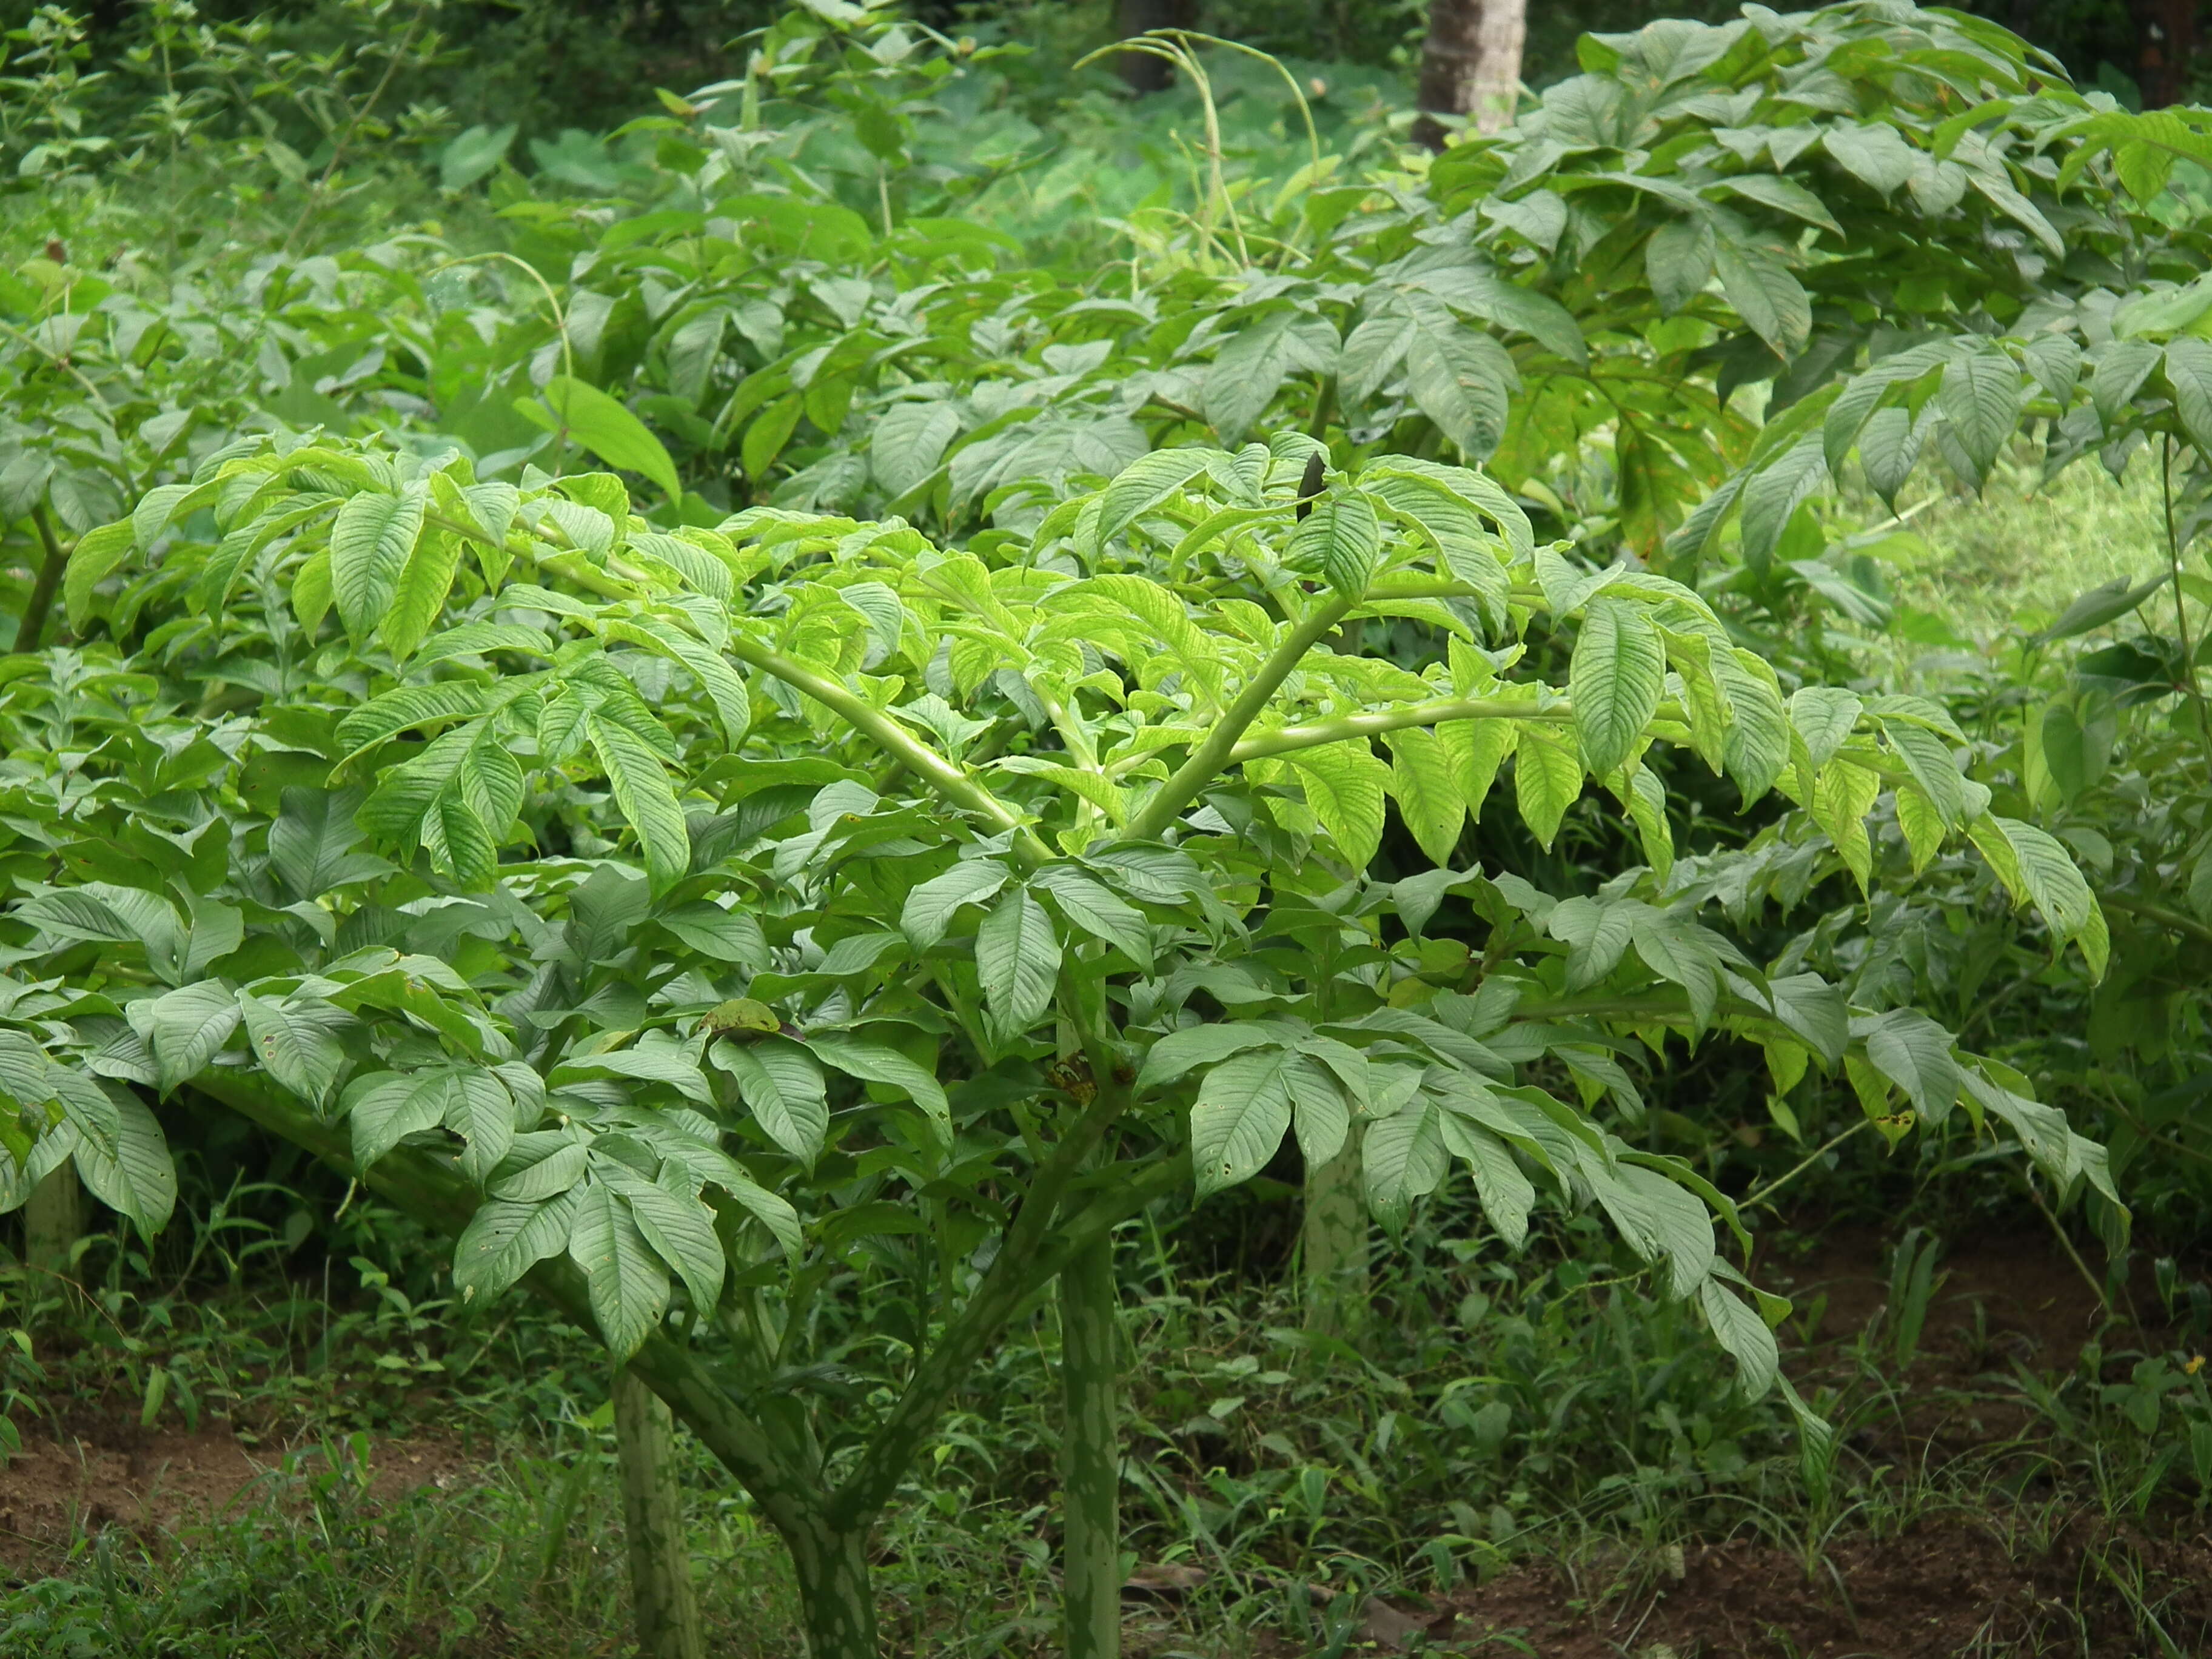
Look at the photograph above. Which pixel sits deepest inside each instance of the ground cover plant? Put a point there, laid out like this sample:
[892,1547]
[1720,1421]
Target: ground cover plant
[795,899]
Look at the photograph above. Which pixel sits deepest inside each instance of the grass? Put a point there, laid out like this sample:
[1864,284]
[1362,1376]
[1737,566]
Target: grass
[1535,1442]
[1979,568]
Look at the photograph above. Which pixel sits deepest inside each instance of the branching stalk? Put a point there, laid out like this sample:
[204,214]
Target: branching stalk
[32,627]
[1314,735]
[1208,760]
[894,740]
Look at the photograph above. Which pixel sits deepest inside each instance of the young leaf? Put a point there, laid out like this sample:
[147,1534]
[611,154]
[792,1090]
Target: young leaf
[646,797]
[1616,676]
[1342,538]
[1017,962]
[371,541]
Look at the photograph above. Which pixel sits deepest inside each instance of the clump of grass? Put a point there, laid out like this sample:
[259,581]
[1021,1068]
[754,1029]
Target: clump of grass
[2018,554]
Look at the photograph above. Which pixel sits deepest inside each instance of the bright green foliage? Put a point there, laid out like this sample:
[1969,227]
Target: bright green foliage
[788,914]
[739,907]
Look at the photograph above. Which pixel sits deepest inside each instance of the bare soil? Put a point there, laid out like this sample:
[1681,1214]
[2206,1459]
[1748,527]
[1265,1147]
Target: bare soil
[95,1473]
[1957,1589]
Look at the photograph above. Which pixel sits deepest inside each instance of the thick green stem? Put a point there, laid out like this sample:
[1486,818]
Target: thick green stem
[652,1523]
[1312,736]
[836,1605]
[1208,760]
[53,1220]
[1089,1363]
[1005,1286]
[1332,1244]
[48,581]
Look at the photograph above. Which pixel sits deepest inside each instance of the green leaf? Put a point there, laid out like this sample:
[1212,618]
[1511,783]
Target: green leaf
[1825,716]
[1343,785]
[386,1107]
[312,843]
[1843,795]
[1098,910]
[420,598]
[1462,379]
[1660,1222]
[1617,674]
[2122,366]
[1506,1193]
[1476,749]
[908,443]
[1429,798]
[1875,154]
[2189,372]
[1814,1010]
[1783,195]
[1244,1106]
[879,1062]
[603,426]
[138,1180]
[648,799]
[1401,1160]
[371,542]
[726,935]
[679,1228]
[187,1028]
[1342,538]
[1181,1051]
[1755,747]
[97,552]
[1251,368]
[1678,262]
[406,708]
[1773,493]
[1143,484]
[1765,294]
[1547,779]
[782,1087]
[504,1241]
[628,1287]
[2107,603]
[310,591]
[479,1109]
[1928,758]
[542,1166]
[1980,397]
[931,906]
[1913,1052]
[2037,869]
[472,154]
[1018,962]
[1744,1336]
[297,1043]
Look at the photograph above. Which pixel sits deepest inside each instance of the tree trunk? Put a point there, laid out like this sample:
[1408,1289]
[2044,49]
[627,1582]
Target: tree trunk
[1471,65]
[837,1605]
[652,1523]
[2166,31]
[1089,1363]
[53,1219]
[1144,73]
[1332,1244]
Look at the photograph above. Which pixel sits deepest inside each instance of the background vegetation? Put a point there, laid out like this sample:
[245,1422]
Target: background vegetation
[841,271]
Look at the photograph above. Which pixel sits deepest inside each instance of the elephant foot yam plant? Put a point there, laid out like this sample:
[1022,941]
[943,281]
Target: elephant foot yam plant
[794,946]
